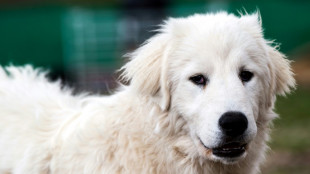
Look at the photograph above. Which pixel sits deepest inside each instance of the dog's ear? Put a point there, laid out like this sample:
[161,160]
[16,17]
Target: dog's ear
[283,77]
[280,73]
[147,69]
[279,65]
[252,23]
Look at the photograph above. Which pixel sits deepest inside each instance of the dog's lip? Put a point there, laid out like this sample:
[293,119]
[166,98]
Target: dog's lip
[228,150]
[204,145]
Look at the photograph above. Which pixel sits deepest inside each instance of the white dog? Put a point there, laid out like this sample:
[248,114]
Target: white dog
[200,101]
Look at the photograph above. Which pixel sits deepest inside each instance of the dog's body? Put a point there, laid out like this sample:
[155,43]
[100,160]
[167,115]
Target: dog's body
[165,121]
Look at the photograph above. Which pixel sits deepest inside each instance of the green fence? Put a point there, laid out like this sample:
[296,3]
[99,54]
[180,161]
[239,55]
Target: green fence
[82,42]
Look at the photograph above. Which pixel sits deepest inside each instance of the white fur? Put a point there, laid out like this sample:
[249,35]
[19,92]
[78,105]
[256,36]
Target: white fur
[153,124]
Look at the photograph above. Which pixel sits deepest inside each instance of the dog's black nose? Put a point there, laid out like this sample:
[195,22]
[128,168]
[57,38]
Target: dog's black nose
[233,123]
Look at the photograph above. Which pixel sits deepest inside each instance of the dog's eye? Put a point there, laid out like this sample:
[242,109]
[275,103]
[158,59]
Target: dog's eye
[245,76]
[198,80]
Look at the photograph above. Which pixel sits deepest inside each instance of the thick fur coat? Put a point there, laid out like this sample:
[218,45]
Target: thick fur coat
[162,122]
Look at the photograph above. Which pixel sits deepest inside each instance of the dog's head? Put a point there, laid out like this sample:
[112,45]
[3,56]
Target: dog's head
[218,73]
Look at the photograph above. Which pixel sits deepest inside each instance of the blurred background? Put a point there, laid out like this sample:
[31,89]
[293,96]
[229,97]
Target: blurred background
[83,41]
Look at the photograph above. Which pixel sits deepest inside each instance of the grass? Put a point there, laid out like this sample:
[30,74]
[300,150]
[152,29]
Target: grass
[290,138]
[292,129]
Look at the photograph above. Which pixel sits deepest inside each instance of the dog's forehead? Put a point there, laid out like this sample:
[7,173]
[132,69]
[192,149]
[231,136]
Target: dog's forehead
[217,33]
[216,47]
[215,41]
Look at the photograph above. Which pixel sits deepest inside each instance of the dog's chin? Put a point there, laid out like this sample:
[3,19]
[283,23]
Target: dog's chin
[228,153]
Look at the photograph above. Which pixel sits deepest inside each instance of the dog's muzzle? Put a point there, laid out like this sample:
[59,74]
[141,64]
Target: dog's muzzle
[233,126]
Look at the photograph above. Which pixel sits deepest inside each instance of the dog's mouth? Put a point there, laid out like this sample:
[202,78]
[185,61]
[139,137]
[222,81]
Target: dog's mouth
[228,150]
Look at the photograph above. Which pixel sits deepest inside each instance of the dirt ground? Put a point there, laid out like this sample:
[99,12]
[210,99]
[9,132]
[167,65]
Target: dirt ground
[301,68]
[284,162]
